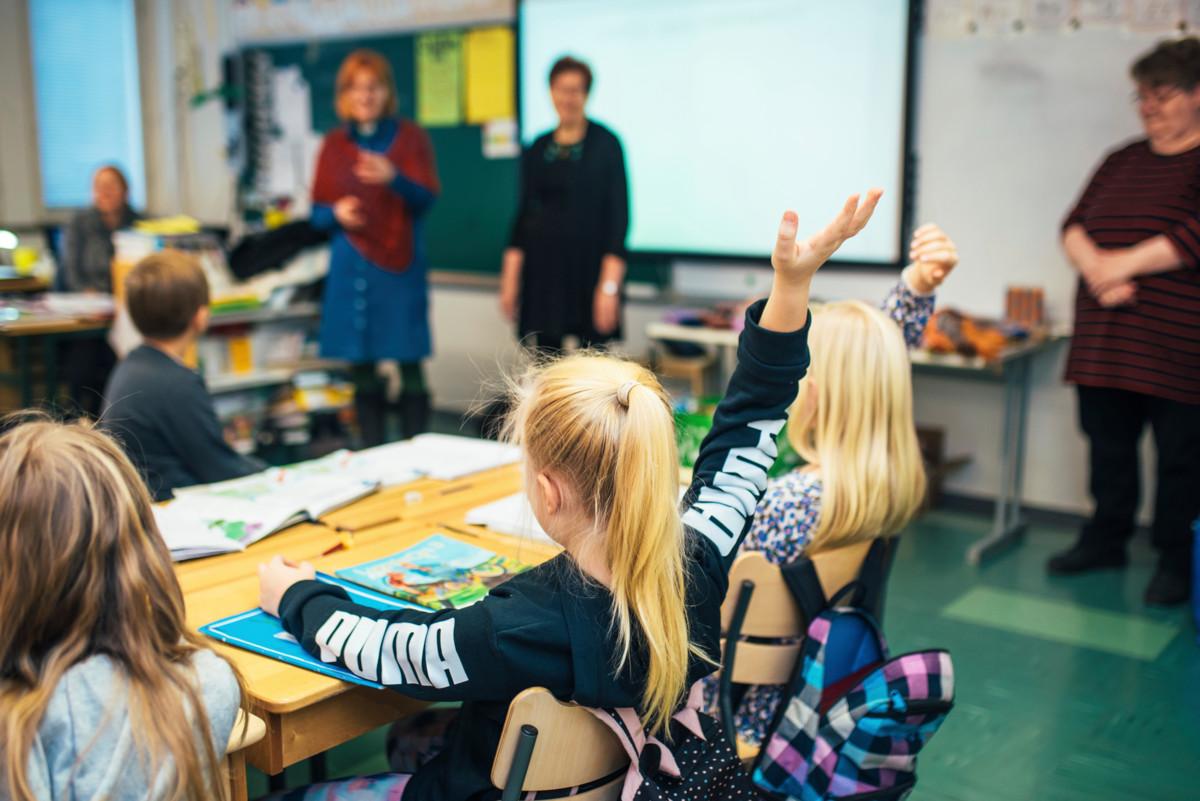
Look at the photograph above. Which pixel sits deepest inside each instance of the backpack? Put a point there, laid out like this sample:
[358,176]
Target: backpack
[853,718]
[698,765]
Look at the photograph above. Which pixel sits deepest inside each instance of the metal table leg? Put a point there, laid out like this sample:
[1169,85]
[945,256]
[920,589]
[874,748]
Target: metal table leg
[1008,524]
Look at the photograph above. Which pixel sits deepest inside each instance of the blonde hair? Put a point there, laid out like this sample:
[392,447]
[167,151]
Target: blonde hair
[604,425]
[859,430]
[87,573]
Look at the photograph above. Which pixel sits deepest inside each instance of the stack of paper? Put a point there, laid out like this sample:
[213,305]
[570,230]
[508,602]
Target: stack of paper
[512,515]
[440,456]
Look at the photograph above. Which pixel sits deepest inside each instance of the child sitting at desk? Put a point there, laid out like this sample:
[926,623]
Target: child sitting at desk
[105,691]
[629,615]
[157,407]
[852,423]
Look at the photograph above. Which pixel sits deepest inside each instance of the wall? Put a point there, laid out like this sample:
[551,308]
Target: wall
[1009,130]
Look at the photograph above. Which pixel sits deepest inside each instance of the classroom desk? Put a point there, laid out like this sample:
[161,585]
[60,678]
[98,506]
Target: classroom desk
[1012,368]
[19,335]
[307,713]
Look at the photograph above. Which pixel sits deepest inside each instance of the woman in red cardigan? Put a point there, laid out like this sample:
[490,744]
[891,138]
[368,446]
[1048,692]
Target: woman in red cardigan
[1134,237]
[375,181]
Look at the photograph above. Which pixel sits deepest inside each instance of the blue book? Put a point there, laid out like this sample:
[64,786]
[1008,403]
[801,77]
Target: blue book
[255,630]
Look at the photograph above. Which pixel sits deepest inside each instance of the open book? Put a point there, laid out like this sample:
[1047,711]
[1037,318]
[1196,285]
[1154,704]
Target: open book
[227,516]
[436,573]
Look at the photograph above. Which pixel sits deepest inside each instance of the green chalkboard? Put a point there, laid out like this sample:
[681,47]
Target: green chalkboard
[468,227]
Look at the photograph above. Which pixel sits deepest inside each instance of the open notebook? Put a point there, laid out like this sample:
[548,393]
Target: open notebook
[255,630]
[512,515]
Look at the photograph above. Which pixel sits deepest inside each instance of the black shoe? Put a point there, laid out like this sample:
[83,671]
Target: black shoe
[1168,588]
[1081,559]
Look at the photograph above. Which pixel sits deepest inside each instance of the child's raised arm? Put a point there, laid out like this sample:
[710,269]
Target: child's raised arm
[730,475]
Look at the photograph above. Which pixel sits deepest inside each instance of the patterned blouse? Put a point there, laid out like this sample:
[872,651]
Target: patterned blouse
[786,519]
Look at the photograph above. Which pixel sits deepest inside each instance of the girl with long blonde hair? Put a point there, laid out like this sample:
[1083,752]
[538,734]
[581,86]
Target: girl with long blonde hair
[629,614]
[104,691]
[852,424]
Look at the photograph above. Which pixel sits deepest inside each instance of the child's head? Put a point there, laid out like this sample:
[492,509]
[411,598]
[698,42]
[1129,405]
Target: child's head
[86,572]
[853,418]
[167,296]
[603,479]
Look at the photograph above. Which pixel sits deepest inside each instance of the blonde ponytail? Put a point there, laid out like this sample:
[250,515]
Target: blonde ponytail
[606,426]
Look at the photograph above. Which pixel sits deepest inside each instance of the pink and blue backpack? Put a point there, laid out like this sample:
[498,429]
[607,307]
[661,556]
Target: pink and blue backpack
[854,718]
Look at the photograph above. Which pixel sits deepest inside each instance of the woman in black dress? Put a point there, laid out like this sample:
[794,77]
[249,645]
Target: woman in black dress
[563,270]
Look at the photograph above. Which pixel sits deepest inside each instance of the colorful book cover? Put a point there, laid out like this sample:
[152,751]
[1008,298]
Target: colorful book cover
[437,573]
[254,630]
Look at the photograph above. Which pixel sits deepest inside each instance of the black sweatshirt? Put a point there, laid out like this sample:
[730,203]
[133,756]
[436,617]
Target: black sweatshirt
[548,627]
[161,413]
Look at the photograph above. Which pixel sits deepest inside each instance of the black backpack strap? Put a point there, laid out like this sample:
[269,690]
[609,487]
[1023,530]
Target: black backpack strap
[801,579]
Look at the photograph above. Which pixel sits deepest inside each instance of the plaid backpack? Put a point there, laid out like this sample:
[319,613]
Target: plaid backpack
[699,764]
[853,719]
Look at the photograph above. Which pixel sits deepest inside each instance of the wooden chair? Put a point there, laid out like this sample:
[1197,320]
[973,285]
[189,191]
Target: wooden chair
[247,730]
[548,745]
[693,369]
[763,607]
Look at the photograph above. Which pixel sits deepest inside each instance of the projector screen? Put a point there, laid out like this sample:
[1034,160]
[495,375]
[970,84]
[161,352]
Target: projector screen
[732,112]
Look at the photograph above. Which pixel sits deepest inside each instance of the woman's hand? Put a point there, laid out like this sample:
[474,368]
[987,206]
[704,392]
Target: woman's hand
[796,261]
[1120,295]
[348,212]
[373,168]
[275,578]
[510,282]
[933,256]
[606,309]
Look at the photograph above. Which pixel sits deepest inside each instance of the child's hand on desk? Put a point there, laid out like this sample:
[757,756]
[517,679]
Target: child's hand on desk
[275,578]
[933,256]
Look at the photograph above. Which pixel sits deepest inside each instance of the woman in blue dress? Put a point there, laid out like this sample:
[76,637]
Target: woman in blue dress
[374,182]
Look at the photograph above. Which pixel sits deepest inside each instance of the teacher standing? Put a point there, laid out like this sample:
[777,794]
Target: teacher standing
[375,181]
[1134,237]
[564,269]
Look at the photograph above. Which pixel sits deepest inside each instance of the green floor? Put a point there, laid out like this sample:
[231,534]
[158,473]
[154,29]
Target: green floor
[1068,689]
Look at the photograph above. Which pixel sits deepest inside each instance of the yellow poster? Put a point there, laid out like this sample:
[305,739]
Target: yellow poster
[490,56]
[439,78]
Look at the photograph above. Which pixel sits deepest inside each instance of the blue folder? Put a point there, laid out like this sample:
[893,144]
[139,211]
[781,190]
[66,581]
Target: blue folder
[255,630]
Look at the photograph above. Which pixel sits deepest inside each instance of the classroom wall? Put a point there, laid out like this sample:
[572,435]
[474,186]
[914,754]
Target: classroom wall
[1008,131]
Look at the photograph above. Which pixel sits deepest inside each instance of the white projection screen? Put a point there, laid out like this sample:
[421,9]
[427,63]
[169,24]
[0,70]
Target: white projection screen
[731,111]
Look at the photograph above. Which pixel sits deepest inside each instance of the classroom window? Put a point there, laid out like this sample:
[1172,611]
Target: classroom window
[89,110]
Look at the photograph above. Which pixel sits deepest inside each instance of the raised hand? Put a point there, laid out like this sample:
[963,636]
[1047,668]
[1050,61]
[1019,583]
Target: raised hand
[933,256]
[797,260]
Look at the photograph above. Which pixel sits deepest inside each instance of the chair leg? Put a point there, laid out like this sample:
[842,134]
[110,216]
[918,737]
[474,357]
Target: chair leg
[520,764]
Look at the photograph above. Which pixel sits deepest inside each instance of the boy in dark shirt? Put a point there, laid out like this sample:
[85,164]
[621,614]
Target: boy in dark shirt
[156,406]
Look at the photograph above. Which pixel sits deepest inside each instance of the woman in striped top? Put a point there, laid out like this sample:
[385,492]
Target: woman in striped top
[1134,237]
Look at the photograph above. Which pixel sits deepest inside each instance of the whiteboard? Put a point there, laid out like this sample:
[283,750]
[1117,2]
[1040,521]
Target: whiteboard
[730,113]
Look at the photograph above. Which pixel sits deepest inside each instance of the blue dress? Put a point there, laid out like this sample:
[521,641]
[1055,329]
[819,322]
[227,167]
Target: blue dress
[369,313]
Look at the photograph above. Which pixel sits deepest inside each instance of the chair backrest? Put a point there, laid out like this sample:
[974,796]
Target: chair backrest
[573,747]
[247,730]
[773,613]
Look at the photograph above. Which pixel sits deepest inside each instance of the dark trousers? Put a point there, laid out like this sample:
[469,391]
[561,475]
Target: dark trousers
[1113,420]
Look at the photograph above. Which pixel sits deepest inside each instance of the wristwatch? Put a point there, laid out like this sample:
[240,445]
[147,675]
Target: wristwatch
[610,287]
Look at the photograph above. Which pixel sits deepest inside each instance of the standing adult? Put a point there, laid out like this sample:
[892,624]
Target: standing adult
[375,180]
[564,269]
[1134,237]
[87,267]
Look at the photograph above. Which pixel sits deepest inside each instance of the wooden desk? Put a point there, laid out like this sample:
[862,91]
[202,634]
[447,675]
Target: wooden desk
[307,713]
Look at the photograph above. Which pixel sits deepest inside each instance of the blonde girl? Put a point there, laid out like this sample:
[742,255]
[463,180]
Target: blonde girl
[629,614]
[852,424]
[104,691]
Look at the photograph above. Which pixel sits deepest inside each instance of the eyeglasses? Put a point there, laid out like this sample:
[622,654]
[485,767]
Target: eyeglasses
[1158,96]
